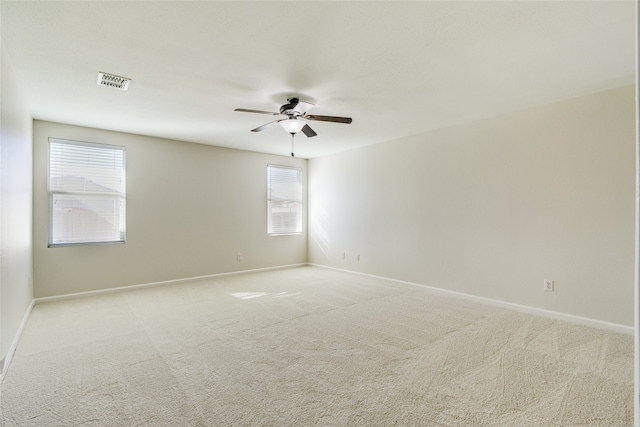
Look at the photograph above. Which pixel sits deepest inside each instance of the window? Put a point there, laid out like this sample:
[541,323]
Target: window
[284,200]
[86,193]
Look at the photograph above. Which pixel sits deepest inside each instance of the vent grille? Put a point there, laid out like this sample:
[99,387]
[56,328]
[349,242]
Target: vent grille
[111,80]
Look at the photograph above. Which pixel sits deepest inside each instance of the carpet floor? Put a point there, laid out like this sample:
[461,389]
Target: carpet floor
[310,347]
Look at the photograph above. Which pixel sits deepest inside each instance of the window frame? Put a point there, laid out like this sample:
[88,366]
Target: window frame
[299,200]
[121,196]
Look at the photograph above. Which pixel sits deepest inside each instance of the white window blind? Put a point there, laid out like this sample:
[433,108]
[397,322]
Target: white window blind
[87,193]
[284,200]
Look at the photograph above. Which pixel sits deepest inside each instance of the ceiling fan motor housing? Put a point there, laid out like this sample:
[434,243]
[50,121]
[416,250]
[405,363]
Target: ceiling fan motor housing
[286,108]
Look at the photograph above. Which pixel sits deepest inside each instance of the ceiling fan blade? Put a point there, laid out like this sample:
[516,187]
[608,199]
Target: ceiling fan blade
[308,131]
[268,125]
[244,110]
[329,119]
[302,107]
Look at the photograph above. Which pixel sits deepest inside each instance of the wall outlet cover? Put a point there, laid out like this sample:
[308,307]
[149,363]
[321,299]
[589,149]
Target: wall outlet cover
[548,285]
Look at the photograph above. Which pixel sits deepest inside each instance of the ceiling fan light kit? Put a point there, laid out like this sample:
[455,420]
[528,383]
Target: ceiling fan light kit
[294,122]
[292,125]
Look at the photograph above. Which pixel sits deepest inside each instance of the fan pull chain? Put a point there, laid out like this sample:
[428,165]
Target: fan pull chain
[292,135]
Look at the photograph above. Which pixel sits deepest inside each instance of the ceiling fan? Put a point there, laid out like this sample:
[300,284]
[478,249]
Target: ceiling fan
[295,112]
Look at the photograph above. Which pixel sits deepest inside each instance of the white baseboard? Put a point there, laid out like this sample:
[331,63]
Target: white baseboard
[163,283]
[14,343]
[585,321]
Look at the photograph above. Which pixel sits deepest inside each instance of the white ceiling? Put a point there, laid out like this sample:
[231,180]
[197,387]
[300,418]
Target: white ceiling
[397,68]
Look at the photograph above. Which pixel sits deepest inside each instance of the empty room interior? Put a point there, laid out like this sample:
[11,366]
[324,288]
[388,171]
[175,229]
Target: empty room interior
[318,213]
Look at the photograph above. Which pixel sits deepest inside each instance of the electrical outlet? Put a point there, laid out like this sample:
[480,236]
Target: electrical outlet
[548,285]
[239,256]
[357,257]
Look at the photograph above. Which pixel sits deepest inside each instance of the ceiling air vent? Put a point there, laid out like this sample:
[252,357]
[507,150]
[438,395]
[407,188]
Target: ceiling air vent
[110,80]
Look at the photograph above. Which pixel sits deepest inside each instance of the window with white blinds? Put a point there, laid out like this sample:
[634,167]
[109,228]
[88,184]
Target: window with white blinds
[284,200]
[87,193]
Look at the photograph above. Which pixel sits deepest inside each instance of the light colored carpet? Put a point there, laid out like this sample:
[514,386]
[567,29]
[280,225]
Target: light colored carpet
[310,347]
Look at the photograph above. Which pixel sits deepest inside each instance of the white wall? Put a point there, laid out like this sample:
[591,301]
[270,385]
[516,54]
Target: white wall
[190,209]
[16,290]
[493,208]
